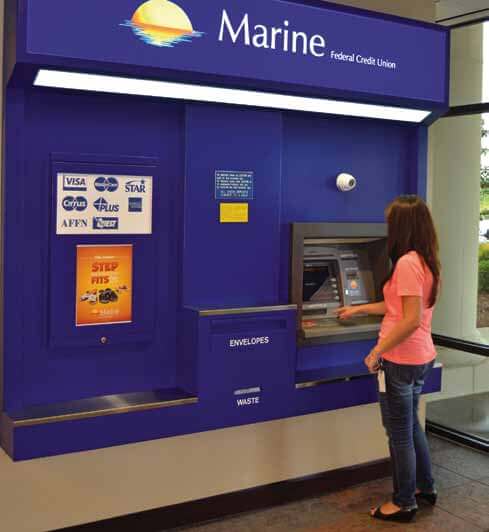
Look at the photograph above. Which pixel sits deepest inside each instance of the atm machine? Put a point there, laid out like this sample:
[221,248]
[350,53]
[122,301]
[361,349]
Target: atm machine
[335,265]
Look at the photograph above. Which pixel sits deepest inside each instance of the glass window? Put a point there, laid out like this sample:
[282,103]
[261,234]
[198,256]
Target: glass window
[459,197]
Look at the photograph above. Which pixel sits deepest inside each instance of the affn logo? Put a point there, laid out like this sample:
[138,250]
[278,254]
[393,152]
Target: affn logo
[162,23]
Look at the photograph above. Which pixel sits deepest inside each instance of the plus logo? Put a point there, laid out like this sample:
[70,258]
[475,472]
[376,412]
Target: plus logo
[102,205]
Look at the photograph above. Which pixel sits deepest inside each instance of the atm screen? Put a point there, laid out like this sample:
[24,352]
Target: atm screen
[320,282]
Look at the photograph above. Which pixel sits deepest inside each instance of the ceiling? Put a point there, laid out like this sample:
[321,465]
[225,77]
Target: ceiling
[447,9]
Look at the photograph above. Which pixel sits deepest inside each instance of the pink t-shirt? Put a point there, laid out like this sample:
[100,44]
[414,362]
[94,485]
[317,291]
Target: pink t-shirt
[411,278]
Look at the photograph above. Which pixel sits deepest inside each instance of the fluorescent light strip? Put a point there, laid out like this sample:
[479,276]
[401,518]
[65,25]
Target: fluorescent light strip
[202,93]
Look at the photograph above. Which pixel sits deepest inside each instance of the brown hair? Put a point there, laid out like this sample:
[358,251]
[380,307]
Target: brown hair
[411,228]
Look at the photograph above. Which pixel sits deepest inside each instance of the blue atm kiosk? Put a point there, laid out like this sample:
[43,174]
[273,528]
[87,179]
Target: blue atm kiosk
[174,242]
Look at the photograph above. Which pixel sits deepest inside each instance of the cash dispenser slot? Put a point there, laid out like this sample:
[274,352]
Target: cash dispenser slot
[335,265]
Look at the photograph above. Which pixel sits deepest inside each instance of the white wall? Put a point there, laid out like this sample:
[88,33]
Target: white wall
[51,493]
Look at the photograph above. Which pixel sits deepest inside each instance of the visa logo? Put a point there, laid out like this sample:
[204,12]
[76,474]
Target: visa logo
[248,401]
[74,183]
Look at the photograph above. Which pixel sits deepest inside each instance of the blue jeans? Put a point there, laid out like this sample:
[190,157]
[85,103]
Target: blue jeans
[410,455]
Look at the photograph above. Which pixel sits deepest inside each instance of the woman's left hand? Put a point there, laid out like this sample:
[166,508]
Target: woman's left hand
[372,361]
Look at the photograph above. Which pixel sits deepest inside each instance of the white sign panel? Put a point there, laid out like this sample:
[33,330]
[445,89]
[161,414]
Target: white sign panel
[104,204]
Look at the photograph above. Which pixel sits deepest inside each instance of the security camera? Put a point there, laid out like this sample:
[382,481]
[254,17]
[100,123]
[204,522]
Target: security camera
[346,182]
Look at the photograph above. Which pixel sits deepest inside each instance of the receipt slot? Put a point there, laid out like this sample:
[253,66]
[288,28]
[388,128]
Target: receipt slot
[335,265]
[245,361]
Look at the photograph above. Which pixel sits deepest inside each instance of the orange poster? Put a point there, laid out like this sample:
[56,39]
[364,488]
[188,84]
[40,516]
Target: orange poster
[103,285]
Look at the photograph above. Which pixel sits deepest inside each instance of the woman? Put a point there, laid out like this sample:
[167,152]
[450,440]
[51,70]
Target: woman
[405,352]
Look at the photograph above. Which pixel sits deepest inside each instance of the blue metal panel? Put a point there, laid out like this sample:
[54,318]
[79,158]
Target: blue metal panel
[333,355]
[420,171]
[13,263]
[419,51]
[295,160]
[100,125]
[62,261]
[72,436]
[247,365]
[228,265]
[317,149]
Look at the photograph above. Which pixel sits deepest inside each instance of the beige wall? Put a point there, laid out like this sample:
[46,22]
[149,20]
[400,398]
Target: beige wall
[418,9]
[54,492]
[51,493]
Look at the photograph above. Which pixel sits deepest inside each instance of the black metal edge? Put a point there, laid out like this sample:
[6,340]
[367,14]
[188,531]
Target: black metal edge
[461,345]
[470,22]
[445,22]
[456,436]
[222,506]
[6,435]
[470,109]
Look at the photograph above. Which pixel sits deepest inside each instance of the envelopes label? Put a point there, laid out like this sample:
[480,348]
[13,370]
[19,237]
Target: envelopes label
[103,285]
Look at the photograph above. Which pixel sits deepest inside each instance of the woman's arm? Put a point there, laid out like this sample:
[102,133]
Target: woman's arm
[375,309]
[410,322]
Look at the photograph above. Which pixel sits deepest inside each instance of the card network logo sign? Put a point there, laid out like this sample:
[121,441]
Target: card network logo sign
[78,204]
[102,205]
[162,23]
[106,184]
[102,223]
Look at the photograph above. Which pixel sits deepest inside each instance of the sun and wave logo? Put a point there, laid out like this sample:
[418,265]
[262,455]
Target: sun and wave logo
[162,23]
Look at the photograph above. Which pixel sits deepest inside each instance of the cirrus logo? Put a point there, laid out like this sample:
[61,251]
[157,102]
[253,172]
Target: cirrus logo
[106,184]
[71,203]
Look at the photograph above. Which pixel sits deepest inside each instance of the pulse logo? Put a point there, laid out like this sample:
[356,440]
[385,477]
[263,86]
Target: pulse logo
[75,204]
[102,205]
[74,183]
[136,186]
[106,184]
[101,223]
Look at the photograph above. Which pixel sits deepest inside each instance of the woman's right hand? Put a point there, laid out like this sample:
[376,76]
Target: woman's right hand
[346,313]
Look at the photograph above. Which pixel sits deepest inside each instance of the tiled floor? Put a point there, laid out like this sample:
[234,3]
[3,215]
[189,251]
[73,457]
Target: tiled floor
[463,484]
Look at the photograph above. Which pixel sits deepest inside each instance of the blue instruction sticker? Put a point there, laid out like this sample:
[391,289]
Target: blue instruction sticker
[234,185]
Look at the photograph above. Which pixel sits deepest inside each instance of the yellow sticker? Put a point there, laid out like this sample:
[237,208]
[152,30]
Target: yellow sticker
[234,213]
